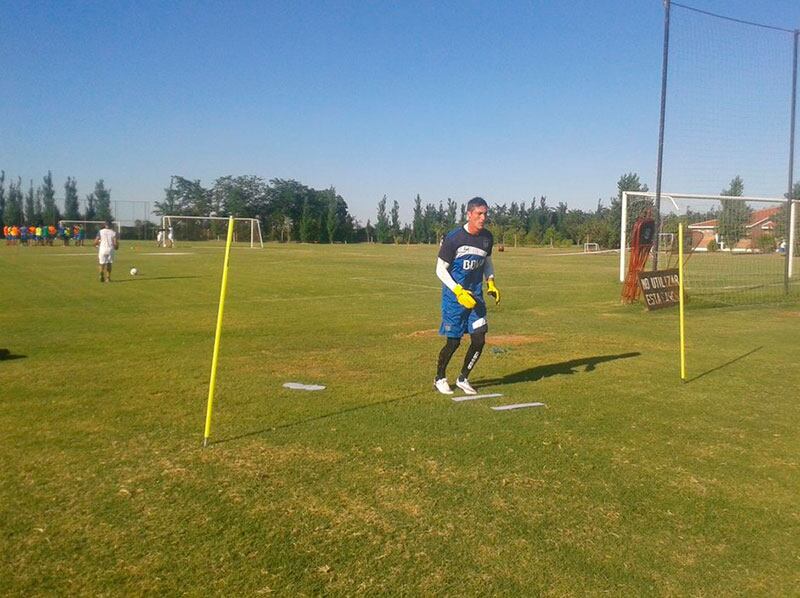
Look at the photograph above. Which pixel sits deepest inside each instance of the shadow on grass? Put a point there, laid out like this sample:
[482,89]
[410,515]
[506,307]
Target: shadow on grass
[589,364]
[724,365]
[148,278]
[6,355]
[315,418]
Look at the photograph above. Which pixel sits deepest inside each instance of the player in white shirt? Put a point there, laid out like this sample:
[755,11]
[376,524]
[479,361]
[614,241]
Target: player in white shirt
[170,237]
[106,241]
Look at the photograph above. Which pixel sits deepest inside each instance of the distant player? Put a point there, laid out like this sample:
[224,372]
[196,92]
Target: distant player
[170,238]
[106,242]
[465,258]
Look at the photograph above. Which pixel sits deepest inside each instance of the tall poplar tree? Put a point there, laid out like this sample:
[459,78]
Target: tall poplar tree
[37,207]
[418,224]
[91,210]
[30,205]
[382,223]
[102,199]
[395,222]
[49,210]
[71,207]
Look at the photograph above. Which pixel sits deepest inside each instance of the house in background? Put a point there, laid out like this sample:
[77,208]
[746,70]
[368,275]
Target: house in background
[761,223]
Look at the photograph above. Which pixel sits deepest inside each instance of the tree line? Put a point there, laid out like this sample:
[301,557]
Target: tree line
[36,206]
[291,211]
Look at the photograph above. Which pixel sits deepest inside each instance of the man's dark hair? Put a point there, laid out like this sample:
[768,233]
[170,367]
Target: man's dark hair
[476,202]
[108,223]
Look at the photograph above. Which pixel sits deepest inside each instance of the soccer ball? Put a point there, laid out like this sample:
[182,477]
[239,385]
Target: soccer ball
[134,271]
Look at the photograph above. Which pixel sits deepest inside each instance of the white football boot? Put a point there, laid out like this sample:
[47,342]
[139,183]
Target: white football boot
[464,385]
[442,386]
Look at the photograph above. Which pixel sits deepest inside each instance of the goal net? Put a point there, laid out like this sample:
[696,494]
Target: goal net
[182,229]
[727,135]
[739,246]
[728,105]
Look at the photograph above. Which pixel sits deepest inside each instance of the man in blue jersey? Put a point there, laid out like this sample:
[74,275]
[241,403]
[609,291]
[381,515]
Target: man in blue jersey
[465,259]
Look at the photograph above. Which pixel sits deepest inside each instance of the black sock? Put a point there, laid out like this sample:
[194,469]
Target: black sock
[473,353]
[444,356]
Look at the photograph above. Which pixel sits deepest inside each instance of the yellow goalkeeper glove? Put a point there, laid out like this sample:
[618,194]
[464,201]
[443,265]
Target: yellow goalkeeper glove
[464,297]
[493,290]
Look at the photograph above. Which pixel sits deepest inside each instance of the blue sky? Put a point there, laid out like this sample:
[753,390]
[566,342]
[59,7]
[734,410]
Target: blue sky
[507,100]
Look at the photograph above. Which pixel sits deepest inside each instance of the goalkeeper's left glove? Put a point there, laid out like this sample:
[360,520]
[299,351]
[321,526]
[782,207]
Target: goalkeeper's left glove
[493,290]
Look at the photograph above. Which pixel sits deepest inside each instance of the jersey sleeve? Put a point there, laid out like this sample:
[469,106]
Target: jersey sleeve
[447,251]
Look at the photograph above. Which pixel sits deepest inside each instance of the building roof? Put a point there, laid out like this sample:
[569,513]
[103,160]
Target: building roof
[759,217]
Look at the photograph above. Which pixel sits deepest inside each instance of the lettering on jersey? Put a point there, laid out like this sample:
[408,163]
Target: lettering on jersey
[471,250]
[471,264]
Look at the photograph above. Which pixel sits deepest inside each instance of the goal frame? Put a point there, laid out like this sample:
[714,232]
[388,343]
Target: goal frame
[255,225]
[673,196]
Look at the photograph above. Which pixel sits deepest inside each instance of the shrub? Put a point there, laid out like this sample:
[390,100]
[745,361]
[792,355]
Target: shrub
[766,243]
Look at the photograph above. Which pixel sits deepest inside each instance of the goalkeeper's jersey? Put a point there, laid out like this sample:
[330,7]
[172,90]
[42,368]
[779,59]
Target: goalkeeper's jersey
[466,255]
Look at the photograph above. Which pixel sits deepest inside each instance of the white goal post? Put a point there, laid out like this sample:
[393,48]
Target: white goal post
[253,228]
[591,247]
[680,203]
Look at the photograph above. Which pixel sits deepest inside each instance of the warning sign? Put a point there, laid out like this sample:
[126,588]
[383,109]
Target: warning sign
[660,289]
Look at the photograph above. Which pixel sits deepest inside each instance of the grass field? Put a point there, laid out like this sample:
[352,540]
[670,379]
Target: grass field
[627,482]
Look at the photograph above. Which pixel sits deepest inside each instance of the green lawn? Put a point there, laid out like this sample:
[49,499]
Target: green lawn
[627,482]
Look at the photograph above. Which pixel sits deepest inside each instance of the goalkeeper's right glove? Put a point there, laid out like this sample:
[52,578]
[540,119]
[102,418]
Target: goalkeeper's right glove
[464,297]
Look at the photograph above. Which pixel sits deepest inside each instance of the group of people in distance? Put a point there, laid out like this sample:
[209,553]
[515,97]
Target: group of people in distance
[43,235]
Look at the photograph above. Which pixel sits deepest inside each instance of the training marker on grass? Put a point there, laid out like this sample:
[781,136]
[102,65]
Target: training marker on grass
[218,333]
[475,397]
[300,386]
[517,406]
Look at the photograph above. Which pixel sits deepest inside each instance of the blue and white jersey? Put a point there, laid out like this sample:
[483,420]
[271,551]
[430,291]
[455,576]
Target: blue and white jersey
[466,255]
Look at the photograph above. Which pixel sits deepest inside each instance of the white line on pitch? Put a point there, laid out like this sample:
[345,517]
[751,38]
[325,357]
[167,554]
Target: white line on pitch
[474,397]
[517,406]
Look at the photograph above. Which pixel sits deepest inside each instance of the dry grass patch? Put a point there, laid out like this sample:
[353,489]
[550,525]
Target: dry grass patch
[515,339]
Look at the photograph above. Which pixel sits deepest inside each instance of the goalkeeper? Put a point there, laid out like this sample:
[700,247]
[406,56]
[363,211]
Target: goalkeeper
[465,258]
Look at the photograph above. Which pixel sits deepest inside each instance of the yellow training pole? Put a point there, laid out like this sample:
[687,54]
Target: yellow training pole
[680,301]
[218,333]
